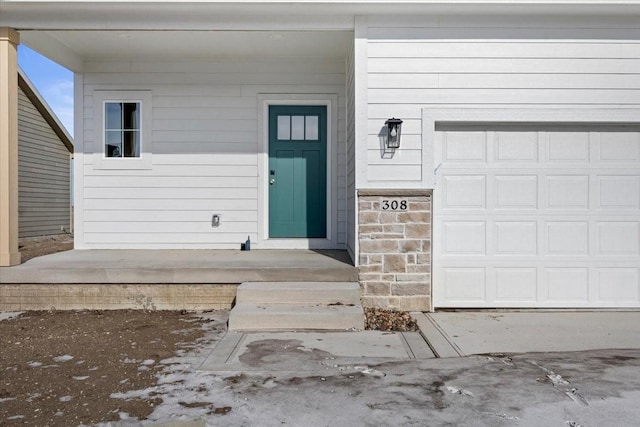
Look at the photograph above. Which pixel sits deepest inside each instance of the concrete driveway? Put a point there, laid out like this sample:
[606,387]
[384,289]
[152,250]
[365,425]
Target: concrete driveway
[376,379]
[452,334]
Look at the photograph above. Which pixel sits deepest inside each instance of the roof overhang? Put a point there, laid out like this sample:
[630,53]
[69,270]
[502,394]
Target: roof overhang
[244,14]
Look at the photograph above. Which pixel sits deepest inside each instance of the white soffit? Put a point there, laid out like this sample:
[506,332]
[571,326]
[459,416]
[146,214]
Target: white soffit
[111,45]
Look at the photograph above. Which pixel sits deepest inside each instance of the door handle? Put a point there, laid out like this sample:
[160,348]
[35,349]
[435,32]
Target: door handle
[272,181]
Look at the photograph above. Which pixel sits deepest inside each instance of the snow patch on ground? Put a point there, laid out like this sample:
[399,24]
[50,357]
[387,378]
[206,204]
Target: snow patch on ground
[64,358]
[186,393]
[8,315]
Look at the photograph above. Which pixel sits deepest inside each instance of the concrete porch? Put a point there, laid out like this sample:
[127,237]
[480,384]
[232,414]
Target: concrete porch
[159,279]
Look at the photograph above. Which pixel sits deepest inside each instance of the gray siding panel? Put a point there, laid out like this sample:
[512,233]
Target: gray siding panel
[43,174]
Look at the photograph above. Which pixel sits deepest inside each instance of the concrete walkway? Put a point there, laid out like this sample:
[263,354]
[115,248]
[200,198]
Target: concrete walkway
[311,351]
[443,335]
[452,334]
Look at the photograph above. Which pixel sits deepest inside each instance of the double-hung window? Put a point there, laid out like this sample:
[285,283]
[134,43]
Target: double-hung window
[123,122]
[122,129]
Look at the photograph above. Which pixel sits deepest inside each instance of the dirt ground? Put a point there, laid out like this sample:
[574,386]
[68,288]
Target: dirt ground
[67,368]
[31,247]
[61,368]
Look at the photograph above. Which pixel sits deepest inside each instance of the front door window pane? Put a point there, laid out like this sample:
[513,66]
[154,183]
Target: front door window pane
[297,127]
[311,128]
[284,128]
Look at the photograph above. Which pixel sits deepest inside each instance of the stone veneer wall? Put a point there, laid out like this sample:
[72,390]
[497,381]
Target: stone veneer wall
[395,248]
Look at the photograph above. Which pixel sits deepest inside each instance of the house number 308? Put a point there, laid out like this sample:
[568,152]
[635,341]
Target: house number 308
[394,205]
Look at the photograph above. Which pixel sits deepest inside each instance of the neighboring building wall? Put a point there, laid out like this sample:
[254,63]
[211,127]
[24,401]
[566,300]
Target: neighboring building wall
[475,62]
[43,174]
[205,152]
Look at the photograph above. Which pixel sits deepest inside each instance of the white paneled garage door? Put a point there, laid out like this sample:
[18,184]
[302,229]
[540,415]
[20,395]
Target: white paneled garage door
[537,216]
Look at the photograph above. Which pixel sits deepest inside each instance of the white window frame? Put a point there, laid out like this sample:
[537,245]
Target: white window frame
[100,98]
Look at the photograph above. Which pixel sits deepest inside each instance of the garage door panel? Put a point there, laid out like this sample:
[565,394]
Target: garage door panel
[618,284]
[515,238]
[464,238]
[516,192]
[567,284]
[465,192]
[618,238]
[566,147]
[568,192]
[516,284]
[465,284]
[567,238]
[538,218]
[620,147]
[516,146]
[465,146]
[619,192]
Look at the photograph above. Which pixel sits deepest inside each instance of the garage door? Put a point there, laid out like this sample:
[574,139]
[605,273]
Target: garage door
[537,216]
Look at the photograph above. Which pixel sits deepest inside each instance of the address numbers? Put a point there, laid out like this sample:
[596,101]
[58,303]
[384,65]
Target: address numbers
[394,205]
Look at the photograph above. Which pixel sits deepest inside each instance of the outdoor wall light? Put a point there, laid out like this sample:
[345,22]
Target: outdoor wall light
[393,132]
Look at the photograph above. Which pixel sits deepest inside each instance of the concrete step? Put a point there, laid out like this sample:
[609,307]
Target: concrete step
[308,293]
[263,317]
[297,306]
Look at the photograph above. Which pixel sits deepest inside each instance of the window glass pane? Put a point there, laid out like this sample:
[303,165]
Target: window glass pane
[311,128]
[113,144]
[284,127]
[297,127]
[113,115]
[131,114]
[131,144]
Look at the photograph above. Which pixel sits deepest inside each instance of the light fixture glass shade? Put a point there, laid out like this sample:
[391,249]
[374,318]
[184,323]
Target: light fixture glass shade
[394,127]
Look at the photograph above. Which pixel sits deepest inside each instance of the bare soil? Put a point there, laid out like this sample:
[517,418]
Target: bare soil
[60,368]
[32,247]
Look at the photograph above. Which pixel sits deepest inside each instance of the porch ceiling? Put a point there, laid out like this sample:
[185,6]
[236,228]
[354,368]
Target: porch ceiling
[71,48]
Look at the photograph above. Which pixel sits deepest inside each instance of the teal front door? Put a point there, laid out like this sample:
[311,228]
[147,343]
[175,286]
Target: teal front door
[297,171]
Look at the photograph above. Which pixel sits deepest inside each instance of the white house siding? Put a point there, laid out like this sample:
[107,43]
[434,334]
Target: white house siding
[204,151]
[480,62]
[43,175]
[418,64]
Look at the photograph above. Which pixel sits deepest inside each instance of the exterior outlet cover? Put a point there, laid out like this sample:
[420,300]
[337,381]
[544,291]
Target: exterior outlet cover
[215,220]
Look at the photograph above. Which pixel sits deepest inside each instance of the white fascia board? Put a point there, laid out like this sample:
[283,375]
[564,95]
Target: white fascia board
[251,14]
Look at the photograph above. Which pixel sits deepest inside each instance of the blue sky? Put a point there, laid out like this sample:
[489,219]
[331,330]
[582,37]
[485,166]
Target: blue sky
[54,82]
